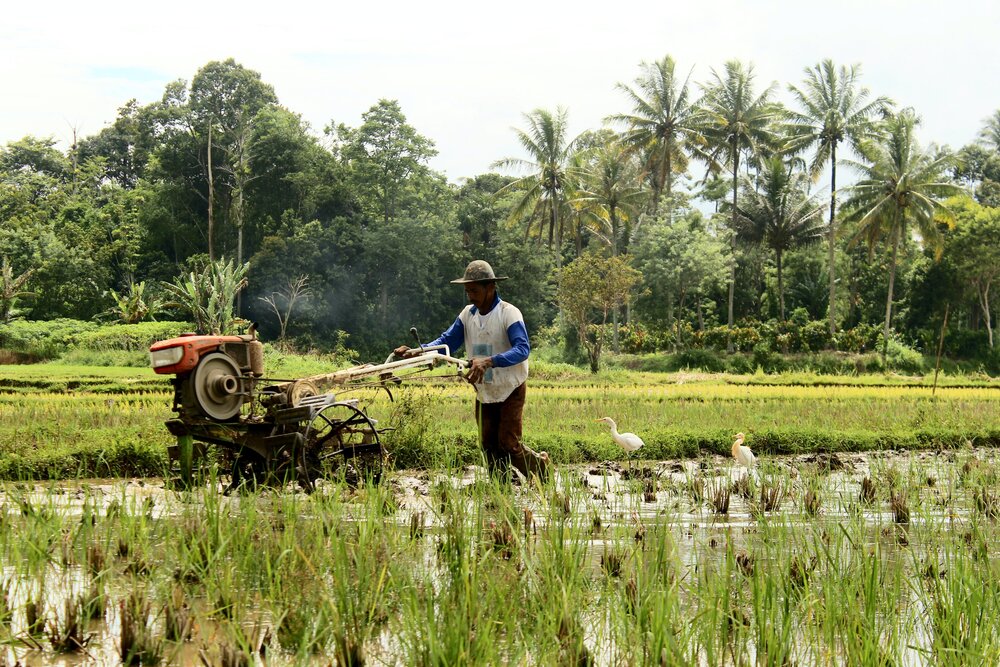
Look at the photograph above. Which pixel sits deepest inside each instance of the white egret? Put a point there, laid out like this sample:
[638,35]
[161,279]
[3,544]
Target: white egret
[742,453]
[630,442]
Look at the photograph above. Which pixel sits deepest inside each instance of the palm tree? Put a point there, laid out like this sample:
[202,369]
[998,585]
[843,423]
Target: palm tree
[834,110]
[664,121]
[609,193]
[777,212]
[899,191]
[736,122]
[990,134]
[610,196]
[543,189]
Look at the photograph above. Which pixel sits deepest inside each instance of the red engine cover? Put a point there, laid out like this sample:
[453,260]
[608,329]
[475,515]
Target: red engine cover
[194,348]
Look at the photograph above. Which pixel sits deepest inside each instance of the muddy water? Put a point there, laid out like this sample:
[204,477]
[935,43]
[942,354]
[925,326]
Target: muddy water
[611,499]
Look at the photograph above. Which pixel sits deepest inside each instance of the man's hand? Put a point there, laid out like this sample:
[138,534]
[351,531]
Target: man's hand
[477,369]
[404,352]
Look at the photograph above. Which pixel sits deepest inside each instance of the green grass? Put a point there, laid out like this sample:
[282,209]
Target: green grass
[65,421]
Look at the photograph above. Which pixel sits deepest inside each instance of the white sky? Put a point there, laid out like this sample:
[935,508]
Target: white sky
[465,72]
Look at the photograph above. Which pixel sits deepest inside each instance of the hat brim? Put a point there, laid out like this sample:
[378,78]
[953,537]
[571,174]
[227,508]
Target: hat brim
[462,281]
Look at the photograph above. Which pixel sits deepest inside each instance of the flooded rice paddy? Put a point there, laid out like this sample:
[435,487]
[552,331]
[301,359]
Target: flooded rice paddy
[877,558]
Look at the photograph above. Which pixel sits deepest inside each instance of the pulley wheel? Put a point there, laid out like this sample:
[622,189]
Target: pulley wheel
[300,389]
[218,386]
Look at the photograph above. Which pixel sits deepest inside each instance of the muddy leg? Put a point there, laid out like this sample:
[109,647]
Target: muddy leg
[522,457]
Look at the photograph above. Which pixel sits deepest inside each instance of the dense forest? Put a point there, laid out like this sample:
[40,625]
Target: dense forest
[703,215]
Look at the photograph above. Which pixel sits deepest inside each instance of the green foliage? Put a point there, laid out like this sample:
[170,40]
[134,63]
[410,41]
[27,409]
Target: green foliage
[133,304]
[591,286]
[665,120]
[541,194]
[387,159]
[680,260]
[695,359]
[379,234]
[903,358]
[11,289]
[209,296]
[129,337]
[43,339]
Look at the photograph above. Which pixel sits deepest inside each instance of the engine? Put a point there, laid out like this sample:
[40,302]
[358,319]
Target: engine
[215,375]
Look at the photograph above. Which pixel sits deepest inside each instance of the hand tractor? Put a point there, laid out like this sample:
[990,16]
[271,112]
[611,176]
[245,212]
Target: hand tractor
[277,431]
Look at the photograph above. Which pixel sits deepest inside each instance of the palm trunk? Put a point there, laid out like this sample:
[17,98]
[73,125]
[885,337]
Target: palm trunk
[832,237]
[732,269]
[668,186]
[888,301]
[614,253]
[781,288]
[558,227]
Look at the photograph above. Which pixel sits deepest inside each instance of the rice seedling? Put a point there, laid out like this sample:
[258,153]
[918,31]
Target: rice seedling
[66,632]
[34,617]
[695,485]
[505,574]
[94,600]
[649,491]
[868,492]
[416,525]
[137,644]
[900,508]
[177,617]
[772,494]
[719,499]
[987,503]
[612,561]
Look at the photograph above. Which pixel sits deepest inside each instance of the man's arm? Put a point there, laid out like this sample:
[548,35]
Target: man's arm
[519,350]
[454,337]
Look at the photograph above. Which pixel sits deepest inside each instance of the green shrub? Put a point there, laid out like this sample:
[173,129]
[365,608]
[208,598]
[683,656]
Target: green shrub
[636,339]
[862,338]
[815,336]
[704,360]
[129,337]
[106,358]
[764,358]
[43,339]
[740,364]
[903,358]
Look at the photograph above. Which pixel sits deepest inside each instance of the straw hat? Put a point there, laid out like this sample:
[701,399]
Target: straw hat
[478,271]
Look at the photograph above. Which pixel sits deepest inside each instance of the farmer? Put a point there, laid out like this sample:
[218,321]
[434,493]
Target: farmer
[496,343]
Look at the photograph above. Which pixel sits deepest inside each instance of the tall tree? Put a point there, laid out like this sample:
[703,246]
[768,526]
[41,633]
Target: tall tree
[543,190]
[385,155]
[680,261]
[228,96]
[592,285]
[738,123]
[610,194]
[974,248]
[778,213]
[900,191]
[665,121]
[834,109]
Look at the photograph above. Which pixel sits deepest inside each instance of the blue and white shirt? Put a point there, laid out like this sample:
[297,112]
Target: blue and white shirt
[499,334]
